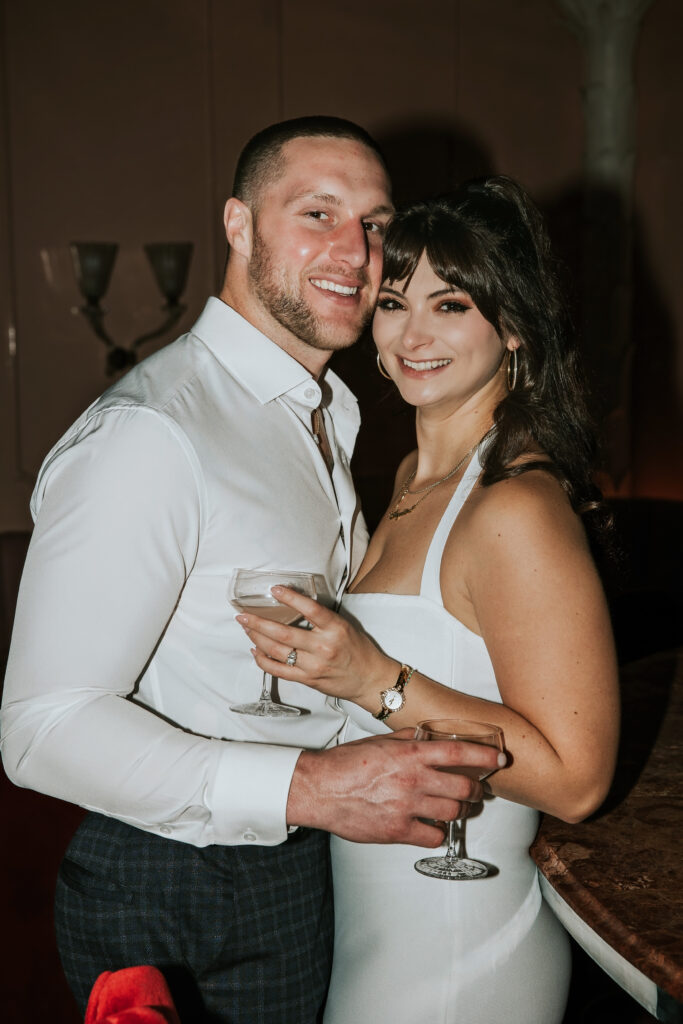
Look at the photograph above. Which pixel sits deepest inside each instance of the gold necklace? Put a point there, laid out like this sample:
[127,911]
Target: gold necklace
[396,513]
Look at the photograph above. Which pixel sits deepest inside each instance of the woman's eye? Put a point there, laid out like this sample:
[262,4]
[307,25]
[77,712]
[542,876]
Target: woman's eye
[452,306]
[389,305]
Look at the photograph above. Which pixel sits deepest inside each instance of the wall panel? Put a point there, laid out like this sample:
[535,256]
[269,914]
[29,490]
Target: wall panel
[108,142]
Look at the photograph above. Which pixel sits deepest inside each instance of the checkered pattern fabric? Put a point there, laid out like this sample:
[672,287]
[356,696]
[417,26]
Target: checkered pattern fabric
[243,934]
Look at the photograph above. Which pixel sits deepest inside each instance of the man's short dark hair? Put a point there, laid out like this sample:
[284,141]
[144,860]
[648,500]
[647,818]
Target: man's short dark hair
[261,160]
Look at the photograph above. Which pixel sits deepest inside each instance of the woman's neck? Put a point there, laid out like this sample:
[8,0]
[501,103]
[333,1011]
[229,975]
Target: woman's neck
[442,441]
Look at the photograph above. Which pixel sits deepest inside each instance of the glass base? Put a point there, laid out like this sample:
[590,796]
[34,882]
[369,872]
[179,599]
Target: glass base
[266,709]
[451,868]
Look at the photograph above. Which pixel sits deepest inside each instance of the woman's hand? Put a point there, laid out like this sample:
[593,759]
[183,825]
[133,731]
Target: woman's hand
[332,657]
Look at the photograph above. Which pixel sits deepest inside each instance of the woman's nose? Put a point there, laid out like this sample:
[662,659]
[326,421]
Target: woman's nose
[415,334]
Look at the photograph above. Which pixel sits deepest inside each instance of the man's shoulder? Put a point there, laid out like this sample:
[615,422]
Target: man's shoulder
[142,412]
[156,381]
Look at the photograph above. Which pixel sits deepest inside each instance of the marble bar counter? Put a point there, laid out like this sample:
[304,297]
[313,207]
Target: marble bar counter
[616,880]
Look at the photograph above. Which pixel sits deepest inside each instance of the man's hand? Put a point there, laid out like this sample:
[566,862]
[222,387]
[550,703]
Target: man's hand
[376,790]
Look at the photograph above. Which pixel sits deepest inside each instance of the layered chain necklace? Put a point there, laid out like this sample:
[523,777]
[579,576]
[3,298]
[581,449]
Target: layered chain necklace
[397,513]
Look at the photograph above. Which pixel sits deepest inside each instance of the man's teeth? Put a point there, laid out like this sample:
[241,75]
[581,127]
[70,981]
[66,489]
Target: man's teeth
[429,364]
[330,286]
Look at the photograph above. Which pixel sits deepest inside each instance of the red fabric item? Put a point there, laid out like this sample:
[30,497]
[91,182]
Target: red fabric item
[134,995]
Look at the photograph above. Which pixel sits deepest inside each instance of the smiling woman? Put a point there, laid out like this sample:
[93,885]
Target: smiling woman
[478,600]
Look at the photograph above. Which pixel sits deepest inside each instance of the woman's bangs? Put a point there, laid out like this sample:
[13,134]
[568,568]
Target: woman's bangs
[452,255]
[460,259]
[403,247]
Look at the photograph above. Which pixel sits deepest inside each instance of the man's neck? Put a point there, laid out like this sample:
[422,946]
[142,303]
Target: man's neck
[313,359]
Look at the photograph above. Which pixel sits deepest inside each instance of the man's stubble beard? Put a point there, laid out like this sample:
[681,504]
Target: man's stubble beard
[291,310]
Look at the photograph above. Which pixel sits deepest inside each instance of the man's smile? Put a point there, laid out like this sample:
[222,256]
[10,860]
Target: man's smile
[331,286]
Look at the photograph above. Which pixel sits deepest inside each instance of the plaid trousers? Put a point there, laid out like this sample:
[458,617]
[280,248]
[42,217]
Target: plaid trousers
[243,934]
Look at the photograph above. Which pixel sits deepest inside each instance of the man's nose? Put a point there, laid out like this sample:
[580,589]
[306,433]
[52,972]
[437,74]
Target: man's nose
[350,245]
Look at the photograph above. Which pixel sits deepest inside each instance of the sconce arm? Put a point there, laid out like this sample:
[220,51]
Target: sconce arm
[95,315]
[174,314]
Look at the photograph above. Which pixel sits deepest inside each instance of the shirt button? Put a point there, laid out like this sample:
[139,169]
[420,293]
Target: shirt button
[310,393]
[249,836]
[165,830]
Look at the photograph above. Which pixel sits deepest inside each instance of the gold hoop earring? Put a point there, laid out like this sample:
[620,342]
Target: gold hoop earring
[512,369]
[382,370]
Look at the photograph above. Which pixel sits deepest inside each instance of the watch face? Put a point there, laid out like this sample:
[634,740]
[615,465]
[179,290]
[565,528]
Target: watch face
[393,700]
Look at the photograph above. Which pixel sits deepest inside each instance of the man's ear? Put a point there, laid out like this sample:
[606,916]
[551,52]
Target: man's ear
[239,227]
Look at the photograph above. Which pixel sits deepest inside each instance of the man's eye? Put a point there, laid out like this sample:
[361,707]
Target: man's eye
[317,214]
[389,305]
[373,228]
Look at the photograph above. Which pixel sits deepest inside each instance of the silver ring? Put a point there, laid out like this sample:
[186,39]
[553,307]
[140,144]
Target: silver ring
[291,657]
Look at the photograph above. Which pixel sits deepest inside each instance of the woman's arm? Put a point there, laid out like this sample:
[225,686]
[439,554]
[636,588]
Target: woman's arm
[518,571]
[534,595]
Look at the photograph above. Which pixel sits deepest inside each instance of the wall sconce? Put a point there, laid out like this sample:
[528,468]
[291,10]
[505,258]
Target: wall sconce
[93,264]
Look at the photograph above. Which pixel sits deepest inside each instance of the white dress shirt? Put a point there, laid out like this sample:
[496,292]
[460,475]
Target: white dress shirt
[125,655]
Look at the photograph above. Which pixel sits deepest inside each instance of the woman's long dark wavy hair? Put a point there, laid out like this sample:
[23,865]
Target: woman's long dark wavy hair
[488,239]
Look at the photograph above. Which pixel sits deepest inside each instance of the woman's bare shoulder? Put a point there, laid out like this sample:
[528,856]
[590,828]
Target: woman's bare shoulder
[527,509]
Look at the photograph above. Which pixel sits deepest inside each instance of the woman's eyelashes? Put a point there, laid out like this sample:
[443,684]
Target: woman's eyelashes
[390,304]
[454,306]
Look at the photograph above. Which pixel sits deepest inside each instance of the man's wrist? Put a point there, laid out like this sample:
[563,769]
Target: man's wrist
[301,801]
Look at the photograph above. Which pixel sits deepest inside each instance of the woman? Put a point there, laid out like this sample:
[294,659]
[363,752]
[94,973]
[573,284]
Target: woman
[479,577]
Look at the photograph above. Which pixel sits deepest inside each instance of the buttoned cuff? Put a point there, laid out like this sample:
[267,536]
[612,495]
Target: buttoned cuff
[248,795]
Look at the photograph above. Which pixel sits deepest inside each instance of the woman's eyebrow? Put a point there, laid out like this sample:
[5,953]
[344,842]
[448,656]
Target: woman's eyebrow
[446,291]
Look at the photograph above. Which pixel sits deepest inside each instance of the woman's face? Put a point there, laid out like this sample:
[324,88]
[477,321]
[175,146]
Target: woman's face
[436,345]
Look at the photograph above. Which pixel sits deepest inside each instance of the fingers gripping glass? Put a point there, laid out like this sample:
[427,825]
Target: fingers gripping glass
[452,866]
[249,591]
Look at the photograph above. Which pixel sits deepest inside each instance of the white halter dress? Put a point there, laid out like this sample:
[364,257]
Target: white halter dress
[416,950]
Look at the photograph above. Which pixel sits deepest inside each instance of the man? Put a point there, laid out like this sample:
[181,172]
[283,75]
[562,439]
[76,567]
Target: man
[203,854]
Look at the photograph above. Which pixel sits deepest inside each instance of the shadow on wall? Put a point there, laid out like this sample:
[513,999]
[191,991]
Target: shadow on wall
[431,156]
[636,383]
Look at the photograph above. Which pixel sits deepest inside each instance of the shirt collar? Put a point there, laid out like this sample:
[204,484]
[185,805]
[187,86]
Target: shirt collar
[266,369]
[257,362]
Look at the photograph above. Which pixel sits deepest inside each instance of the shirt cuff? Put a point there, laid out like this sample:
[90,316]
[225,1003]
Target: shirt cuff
[248,795]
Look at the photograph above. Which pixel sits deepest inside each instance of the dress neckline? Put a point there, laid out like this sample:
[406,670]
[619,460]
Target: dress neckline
[430,584]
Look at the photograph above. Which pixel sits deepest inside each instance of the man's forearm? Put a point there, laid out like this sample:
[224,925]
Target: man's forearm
[377,790]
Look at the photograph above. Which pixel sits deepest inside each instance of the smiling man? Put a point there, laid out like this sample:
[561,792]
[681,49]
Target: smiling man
[205,849]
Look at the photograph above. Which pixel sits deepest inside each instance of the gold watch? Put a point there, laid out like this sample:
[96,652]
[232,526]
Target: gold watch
[394,699]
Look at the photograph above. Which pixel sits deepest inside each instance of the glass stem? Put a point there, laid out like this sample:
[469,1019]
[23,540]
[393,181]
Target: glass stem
[452,852]
[266,697]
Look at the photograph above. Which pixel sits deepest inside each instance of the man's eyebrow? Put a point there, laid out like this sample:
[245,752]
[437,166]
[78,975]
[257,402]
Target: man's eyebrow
[319,197]
[332,200]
